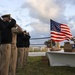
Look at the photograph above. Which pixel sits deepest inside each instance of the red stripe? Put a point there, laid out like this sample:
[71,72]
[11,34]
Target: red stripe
[58,37]
[60,34]
[57,40]
[67,33]
[65,28]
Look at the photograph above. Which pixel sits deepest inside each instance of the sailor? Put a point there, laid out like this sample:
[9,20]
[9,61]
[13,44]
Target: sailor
[20,46]
[13,61]
[26,46]
[1,28]
[6,40]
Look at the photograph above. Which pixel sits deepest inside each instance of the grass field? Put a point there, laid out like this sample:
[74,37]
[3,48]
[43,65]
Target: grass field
[36,67]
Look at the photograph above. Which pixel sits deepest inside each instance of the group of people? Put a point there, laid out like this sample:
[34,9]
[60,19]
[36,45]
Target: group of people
[14,44]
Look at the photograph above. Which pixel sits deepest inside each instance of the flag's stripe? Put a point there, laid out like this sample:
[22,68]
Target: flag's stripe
[57,36]
[57,33]
[60,38]
[64,27]
[57,40]
[67,33]
[65,30]
[54,32]
[69,36]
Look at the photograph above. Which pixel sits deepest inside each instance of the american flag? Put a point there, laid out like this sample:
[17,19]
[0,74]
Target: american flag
[59,32]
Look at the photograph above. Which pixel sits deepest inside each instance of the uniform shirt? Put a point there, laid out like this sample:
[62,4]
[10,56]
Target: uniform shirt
[20,40]
[7,32]
[26,40]
[1,28]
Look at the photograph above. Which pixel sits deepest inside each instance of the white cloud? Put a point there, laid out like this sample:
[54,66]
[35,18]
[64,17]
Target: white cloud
[45,9]
[48,9]
[40,27]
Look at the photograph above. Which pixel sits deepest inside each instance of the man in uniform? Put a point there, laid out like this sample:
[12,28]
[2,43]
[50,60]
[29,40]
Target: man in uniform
[13,61]
[6,40]
[20,46]
[26,46]
[1,28]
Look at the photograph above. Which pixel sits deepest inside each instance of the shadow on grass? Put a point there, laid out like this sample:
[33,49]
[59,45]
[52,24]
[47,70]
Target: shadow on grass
[36,67]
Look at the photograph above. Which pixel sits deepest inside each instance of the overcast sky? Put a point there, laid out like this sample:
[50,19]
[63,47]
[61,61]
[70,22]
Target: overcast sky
[34,15]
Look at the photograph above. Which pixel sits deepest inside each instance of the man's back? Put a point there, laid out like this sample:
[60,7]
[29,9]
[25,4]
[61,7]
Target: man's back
[6,32]
[20,40]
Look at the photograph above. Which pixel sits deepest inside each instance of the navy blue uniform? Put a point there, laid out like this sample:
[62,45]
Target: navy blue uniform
[27,40]
[1,28]
[7,32]
[20,40]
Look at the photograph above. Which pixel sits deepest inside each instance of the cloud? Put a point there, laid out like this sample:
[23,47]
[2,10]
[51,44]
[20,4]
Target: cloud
[40,30]
[48,9]
[37,34]
[45,9]
[38,26]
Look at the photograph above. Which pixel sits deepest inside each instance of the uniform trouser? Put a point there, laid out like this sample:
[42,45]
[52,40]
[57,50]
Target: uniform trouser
[25,56]
[20,57]
[13,60]
[24,59]
[5,58]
